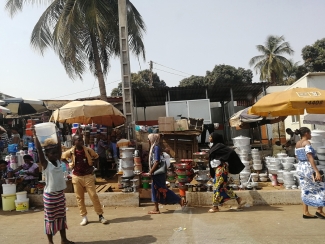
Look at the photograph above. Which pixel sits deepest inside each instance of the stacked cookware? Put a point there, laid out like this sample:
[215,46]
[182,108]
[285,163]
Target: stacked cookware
[127,161]
[184,174]
[257,162]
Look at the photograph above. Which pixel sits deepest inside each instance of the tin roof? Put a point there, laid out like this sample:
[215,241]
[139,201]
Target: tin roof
[222,92]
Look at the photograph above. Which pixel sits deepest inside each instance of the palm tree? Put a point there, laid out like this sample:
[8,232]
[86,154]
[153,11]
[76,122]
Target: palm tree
[84,33]
[271,64]
[289,73]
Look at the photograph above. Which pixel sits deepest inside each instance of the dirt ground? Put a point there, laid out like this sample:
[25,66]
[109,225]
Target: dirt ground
[257,224]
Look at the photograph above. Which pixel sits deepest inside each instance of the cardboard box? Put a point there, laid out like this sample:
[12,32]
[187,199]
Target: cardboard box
[181,125]
[166,124]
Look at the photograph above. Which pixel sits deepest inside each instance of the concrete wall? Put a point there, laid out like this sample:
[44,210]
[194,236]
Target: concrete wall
[311,80]
[152,113]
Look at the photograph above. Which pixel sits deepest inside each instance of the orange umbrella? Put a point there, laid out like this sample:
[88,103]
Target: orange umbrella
[290,102]
[87,112]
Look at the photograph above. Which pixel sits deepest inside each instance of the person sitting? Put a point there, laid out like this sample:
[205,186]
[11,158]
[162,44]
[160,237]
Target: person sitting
[30,173]
[4,139]
[5,174]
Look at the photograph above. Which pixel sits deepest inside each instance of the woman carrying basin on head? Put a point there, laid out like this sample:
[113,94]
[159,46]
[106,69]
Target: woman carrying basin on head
[312,188]
[222,161]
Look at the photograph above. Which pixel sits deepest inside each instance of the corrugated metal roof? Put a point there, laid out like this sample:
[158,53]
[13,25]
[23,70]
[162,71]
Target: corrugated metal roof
[158,96]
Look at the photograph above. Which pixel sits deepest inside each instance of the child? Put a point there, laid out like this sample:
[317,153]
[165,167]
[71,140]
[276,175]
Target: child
[53,196]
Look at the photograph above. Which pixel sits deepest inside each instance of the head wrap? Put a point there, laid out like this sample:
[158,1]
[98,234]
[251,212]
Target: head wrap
[217,138]
[154,140]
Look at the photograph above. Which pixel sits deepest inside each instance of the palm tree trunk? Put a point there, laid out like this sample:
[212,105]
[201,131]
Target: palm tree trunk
[98,67]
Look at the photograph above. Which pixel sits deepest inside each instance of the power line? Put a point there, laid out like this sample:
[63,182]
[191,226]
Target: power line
[92,88]
[172,69]
[84,90]
[170,72]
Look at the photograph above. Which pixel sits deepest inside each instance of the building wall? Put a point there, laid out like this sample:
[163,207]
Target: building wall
[318,81]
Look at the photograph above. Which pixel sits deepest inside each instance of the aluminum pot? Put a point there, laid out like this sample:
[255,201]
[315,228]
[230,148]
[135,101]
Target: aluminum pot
[321,149]
[126,152]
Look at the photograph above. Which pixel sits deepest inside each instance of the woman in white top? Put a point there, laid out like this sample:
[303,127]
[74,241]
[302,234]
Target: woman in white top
[53,196]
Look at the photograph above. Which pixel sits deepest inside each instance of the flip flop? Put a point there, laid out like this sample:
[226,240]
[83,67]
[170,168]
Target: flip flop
[241,204]
[211,210]
[153,212]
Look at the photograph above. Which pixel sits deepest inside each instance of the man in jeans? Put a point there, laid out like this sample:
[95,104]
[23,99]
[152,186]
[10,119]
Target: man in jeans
[82,160]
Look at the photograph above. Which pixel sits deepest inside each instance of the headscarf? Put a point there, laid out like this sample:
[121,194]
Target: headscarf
[154,141]
[217,138]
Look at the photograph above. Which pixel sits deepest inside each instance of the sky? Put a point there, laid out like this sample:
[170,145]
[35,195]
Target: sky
[183,38]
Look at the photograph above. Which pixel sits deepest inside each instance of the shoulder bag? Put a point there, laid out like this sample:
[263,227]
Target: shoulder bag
[162,167]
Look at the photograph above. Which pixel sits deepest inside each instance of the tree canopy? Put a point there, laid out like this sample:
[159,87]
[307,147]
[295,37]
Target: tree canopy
[84,34]
[271,64]
[219,75]
[314,56]
[140,80]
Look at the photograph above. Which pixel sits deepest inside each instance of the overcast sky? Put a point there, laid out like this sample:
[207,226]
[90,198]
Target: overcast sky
[186,35]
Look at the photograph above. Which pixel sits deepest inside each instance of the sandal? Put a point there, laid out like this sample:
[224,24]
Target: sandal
[213,210]
[153,212]
[67,242]
[183,203]
[242,203]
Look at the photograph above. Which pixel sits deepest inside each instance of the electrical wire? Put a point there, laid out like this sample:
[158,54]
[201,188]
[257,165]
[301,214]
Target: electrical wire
[85,90]
[172,68]
[92,88]
[170,72]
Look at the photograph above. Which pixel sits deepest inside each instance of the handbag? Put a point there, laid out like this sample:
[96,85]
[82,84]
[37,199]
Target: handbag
[322,179]
[162,167]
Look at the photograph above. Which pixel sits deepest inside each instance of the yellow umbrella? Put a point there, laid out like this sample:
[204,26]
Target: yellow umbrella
[87,112]
[290,102]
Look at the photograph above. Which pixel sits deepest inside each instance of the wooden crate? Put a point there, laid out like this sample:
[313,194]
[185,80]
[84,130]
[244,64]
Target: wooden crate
[181,145]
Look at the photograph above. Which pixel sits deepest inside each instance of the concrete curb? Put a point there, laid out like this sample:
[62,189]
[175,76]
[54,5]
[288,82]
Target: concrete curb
[272,197]
[111,199]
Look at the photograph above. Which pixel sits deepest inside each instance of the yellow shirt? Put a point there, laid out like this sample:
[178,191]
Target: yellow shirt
[70,154]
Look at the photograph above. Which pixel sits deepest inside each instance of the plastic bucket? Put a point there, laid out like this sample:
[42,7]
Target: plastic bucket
[22,205]
[145,185]
[12,148]
[8,202]
[46,134]
[9,189]
[74,130]
[21,196]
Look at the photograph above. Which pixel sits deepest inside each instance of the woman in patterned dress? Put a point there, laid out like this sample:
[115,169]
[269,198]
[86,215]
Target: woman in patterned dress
[312,189]
[222,191]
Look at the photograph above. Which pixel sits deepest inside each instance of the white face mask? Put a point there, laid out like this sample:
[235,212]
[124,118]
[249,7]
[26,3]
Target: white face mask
[210,144]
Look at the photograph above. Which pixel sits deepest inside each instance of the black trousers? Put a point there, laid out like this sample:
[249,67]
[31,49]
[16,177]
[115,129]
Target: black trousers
[103,165]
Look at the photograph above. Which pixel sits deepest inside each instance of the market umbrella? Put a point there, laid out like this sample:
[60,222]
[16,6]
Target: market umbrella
[87,112]
[243,120]
[20,106]
[4,110]
[317,119]
[291,102]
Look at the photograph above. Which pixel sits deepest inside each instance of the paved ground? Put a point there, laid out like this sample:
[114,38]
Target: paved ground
[260,224]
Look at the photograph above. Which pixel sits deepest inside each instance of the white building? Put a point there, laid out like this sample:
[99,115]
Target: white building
[314,79]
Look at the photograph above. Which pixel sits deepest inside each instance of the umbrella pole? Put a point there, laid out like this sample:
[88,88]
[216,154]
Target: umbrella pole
[279,132]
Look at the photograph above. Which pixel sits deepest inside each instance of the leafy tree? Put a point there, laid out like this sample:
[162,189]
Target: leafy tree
[140,80]
[271,64]
[289,73]
[228,74]
[193,81]
[314,56]
[84,33]
[301,71]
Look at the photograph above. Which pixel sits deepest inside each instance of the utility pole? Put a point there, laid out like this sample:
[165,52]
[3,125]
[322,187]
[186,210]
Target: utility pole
[125,66]
[150,74]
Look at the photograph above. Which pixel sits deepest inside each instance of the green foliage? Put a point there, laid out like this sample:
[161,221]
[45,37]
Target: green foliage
[219,75]
[140,80]
[83,33]
[193,81]
[271,64]
[228,74]
[314,56]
